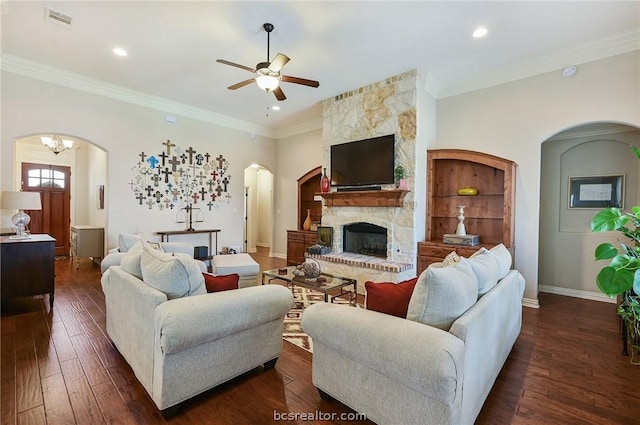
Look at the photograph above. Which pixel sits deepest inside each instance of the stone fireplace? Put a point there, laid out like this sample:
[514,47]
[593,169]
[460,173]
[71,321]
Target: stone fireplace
[365,238]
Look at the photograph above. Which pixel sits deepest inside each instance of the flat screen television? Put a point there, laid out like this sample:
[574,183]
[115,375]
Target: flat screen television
[368,162]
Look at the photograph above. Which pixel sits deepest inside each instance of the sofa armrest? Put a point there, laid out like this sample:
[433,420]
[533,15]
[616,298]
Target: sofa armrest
[190,321]
[424,358]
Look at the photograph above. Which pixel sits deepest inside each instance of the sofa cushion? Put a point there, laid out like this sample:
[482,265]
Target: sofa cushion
[501,256]
[220,283]
[127,240]
[485,267]
[130,262]
[442,294]
[175,276]
[389,297]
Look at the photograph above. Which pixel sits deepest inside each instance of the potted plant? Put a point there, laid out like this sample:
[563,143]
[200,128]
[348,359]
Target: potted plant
[622,276]
[399,177]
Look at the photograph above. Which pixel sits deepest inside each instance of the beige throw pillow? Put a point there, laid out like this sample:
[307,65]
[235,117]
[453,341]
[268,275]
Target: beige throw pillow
[485,266]
[176,276]
[443,294]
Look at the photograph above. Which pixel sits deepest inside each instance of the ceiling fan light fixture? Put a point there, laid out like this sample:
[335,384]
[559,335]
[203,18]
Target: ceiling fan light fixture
[267,82]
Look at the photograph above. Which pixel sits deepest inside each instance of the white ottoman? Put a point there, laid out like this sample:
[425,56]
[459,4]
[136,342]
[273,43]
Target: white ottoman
[242,264]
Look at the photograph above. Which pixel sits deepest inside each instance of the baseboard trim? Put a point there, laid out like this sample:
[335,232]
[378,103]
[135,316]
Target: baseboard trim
[530,302]
[576,293]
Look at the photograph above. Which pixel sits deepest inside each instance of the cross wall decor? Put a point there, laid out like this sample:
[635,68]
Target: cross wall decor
[180,179]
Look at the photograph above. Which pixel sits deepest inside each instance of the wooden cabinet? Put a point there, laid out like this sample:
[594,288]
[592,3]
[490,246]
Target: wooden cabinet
[28,266]
[489,214]
[86,241]
[297,243]
[308,186]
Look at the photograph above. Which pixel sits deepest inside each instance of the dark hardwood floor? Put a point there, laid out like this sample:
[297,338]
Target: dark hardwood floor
[58,367]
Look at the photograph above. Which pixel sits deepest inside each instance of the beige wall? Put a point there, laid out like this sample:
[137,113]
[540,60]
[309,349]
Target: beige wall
[513,119]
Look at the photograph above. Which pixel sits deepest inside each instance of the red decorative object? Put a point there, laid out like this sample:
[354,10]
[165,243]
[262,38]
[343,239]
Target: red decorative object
[390,298]
[221,283]
[324,182]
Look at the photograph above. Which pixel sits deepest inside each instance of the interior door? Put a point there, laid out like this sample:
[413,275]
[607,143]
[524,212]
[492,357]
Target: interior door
[52,182]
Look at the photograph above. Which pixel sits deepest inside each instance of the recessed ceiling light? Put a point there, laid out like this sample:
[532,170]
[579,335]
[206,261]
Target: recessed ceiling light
[275,107]
[480,32]
[120,51]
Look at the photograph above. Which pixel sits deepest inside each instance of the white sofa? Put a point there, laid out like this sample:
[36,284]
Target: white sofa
[421,374]
[129,241]
[180,347]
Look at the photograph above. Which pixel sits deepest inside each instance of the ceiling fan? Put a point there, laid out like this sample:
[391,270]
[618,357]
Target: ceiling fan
[268,74]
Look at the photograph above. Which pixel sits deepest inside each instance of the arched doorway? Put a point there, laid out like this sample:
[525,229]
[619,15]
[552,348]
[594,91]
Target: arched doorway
[566,250]
[258,207]
[87,169]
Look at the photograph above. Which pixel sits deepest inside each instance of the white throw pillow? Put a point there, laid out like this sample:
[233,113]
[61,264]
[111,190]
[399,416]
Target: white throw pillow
[442,294]
[130,262]
[127,240]
[504,259]
[176,276]
[485,266]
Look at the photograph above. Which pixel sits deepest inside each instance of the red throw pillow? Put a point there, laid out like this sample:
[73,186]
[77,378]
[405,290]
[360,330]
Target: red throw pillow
[221,283]
[390,298]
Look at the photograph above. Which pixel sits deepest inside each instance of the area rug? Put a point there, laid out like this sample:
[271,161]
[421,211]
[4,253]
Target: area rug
[302,298]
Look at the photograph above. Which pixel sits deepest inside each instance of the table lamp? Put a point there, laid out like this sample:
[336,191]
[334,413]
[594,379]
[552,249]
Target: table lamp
[20,201]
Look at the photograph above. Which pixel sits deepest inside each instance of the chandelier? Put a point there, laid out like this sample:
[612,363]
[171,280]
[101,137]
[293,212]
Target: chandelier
[56,144]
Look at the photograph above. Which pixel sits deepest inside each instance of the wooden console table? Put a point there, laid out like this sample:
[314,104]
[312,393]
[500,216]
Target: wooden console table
[28,266]
[211,232]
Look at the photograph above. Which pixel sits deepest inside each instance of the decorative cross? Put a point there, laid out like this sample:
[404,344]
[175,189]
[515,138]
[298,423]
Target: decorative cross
[203,192]
[190,151]
[207,156]
[199,159]
[213,196]
[150,203]
[153,161]
[175,193]
[166,173]
[228,196]
[156,178]
[166,202]
[183,157]
[142,156]
[219,190]
[195,197]
[201,176]
[131,183]
[171,205]
[164,157]
[168,144]
[225,181]
[214,174]
[149,189]
[209,204]
[174,163]
[158,196]
[220,160]
[210,183]
[140,197]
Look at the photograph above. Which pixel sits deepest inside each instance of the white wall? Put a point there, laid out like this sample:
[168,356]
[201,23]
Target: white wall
[296,156]
[512,120]
[123,130]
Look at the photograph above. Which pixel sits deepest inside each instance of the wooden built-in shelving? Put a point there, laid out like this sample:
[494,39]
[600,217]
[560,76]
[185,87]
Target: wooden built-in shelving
[365,198]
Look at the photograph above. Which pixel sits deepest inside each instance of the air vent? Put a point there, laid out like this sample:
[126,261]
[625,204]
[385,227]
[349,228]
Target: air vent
[58,17]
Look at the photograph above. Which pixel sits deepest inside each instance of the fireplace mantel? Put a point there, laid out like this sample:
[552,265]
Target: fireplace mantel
[365,198]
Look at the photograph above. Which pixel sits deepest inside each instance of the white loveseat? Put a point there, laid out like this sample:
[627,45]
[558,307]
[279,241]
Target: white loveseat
[179,346]
[398,371]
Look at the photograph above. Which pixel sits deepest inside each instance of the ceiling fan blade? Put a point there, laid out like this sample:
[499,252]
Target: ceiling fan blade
[303,81]
[278,62]
[237,65]
[242,84]
[279,93]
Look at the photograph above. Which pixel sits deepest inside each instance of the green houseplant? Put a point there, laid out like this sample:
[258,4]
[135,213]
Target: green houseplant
[399,175]
[622,276]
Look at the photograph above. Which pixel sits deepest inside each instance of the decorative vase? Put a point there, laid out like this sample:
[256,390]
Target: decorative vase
[324,182]
[403,184]
[307,222]
[468,191]
[460,230]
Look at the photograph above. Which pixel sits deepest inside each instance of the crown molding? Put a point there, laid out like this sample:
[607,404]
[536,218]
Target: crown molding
[301,128]
[61,77]
[613,45]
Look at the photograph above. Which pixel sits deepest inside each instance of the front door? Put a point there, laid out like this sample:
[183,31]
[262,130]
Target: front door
[52,182]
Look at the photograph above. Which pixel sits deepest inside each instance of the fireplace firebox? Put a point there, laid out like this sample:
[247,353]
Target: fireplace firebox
[365,239]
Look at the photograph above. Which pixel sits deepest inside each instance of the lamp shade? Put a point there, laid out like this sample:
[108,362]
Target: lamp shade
[267,82]
[20,201]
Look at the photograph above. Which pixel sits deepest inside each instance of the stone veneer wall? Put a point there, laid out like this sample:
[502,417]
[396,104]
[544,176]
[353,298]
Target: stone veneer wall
[381,108]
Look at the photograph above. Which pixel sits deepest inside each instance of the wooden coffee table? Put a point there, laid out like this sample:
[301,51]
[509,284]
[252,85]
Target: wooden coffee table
[329,284]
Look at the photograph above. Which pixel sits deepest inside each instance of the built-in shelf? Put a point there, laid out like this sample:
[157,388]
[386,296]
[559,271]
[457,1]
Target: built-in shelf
[365,198]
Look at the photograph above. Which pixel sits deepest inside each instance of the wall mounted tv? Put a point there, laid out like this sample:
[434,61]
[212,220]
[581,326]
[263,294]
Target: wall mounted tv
[368,162]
